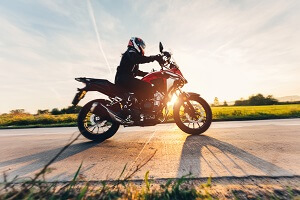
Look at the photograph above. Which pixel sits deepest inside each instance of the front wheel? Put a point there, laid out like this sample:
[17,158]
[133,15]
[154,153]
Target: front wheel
[94,127]
[195,120]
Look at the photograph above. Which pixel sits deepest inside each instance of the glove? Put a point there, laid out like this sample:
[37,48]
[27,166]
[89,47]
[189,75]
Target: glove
[158,58]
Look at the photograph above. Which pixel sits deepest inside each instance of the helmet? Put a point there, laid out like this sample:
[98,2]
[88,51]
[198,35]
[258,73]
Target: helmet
[138,44]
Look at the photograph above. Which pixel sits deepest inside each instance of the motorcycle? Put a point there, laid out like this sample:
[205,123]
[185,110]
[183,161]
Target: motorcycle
[100,119]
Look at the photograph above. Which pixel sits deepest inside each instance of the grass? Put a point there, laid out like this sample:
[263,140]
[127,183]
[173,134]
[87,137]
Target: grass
[76,189]
[183,188]
[256,112]
[28,120]
[219,114]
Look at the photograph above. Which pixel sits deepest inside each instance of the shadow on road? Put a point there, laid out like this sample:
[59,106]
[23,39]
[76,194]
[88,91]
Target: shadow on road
[38,160]
[192,156]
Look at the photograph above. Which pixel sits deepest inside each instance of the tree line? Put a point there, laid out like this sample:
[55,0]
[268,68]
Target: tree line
[254,100]
[257,100]
[54,111]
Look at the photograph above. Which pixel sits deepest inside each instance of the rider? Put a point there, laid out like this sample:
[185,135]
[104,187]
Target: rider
[129,69]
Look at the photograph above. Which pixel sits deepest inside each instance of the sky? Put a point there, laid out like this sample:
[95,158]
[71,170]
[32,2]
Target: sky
[227,49]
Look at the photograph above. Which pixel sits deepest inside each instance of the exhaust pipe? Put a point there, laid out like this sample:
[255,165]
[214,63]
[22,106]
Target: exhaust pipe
[98,109]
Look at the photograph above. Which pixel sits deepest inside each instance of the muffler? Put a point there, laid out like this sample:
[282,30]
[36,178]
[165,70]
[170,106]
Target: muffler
[99,109]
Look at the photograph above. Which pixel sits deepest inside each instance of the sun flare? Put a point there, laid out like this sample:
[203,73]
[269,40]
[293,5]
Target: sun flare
[173,100]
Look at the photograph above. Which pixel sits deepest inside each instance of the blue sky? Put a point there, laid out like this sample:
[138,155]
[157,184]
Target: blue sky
[226,49]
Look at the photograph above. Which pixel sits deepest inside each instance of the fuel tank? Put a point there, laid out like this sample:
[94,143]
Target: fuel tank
[157,80]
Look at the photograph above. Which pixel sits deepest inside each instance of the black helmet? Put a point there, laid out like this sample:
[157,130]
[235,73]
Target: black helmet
[138,44]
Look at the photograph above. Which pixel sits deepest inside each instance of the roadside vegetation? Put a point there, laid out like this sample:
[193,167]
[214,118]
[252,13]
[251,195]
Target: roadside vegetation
[256,112]
[254,108]
[22,119]
[184,188]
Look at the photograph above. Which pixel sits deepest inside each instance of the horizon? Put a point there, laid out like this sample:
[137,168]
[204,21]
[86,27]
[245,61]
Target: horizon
[230,103]
[229,50]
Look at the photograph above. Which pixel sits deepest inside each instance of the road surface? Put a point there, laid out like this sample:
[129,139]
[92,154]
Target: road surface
[228,149]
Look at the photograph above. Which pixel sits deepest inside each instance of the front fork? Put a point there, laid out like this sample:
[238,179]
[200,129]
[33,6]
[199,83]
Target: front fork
[188,107]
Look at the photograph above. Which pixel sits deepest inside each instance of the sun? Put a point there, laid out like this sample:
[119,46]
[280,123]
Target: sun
[173,100]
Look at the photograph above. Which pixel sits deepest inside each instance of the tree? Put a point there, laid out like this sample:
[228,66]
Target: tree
[256,100]
[17,111]
[68,110]
[270,100]
[216,101]
[41,112]
[55,111]
[225,103]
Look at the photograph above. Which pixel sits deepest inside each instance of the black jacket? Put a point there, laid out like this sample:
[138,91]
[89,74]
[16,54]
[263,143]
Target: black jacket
[129,65]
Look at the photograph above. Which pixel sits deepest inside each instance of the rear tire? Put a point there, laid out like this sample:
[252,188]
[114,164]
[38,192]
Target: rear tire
[204,121]
[88,122]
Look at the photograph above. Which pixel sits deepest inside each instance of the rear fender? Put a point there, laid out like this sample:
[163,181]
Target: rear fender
[107,89]
[79,95]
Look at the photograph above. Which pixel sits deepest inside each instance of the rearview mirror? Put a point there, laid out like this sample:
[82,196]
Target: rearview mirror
[160,47]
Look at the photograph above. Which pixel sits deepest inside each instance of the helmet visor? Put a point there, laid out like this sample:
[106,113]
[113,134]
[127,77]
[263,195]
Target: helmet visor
[142,45]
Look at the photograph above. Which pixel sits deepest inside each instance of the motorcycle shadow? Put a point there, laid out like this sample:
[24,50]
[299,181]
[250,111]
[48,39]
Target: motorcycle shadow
[39,160]
[203,156]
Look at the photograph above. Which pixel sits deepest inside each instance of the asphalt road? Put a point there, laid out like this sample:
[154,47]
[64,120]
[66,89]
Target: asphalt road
[230,149]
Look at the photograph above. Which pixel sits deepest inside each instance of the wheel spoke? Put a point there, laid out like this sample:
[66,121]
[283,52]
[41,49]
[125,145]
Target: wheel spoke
[198,124]
[90,127]
[197,119]
[93,123]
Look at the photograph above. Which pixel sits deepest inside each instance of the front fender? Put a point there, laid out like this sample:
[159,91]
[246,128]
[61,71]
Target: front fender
[193,94]
[186,95]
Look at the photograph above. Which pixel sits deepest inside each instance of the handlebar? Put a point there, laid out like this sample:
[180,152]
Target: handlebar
[165,61]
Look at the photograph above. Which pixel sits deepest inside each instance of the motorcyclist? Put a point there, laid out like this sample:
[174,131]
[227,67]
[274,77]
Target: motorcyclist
[129,69]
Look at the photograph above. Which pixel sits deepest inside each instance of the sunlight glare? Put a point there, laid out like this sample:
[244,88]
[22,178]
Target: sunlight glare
[173,100]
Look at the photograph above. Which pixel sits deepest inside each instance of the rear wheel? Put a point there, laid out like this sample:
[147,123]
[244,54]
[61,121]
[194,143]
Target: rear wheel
[94,127]
[194,120]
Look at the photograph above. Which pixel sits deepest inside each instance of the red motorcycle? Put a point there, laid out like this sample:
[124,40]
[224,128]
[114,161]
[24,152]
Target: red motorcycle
[100,119]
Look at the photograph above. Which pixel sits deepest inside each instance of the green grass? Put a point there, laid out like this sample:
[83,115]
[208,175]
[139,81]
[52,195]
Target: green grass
[184,188]
[28,120]
[219,114]
[256,112]
[76,189]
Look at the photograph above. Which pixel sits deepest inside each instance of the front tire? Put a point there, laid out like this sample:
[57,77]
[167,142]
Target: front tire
[94,127]
[196,124]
